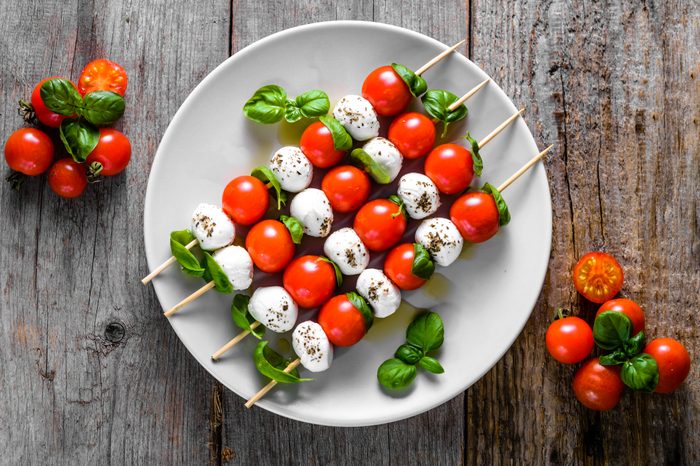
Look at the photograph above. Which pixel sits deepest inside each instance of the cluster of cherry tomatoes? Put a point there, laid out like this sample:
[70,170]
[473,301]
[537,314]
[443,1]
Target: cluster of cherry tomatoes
[31,151]
[599,383]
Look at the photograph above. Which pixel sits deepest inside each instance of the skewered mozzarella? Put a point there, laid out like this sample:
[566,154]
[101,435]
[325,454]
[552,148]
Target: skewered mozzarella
[382,295]
[385,154]
[311,344]
[312,209]
[212,227]
[347,250]
[358,117]
[237,265]
[292,169]
[419,195]
[274,308]
[441,238]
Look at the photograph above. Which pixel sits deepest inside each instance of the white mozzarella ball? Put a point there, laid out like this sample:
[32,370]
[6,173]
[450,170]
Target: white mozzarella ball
[292,169]
[347,250]
[419,195]
[311,344]
[212,227]
[386,155]
[357,116]
[237,265]
[273,307]
[382,295]
[441,238]
[312,208]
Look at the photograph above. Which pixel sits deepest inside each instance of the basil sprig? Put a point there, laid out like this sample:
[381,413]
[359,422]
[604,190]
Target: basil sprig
[408,354]
[503,212]
[214,272]
[361,305]
[309,104]
[437,104]
[640,373]
[270,104]
[396,374]
[296,229]
[79,137]
[426,332]
[242,318]
[98,107]
[102,107]
[336,269]
[341,139]
[423,266]
[367,163]
[477,161]
[267,176]
[611,329]
[271,364]
[188,262]
[415,83]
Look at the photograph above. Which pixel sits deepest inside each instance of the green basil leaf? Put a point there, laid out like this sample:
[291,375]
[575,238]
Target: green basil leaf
[102,107]
[408,354]
[267,105]
[437,104]
[415,83]
[341,139]
[423,266]
[336,269]
[613,359]
[395,374]
[313,103]
[611,329]
[640,373]
[60,96]
[242,318]
[361,305]
[635,345]
[188,262]
[266,175]
[431,365]
[214,272]
[503,212]
[79,137]
[399,202]
[271,364]
[426,332]
[368,164]
[292,113]
[477,161]
[296,229]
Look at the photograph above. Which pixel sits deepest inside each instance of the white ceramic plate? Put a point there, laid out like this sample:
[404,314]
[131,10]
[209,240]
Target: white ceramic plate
[485,298]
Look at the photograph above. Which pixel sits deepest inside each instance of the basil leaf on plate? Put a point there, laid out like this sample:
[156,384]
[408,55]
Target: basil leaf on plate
[60,96]
[214,272]
[408,354]
[79,137]
[423,266]
[266,175]
[271,364]
[611,330]
[188,262]
[361,305]
[437,104]
[242,318]
[296,229]
[503,212]
[477,161]
[431,365]
[640,373]
[336,269]
[341,139]
[292,113]
[267,105]
[313,103]
[426,332]
[368,164]
[102,107]
[395,374]
[415,83]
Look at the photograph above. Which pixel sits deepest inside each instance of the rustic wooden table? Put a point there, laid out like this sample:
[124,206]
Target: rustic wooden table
[91,374]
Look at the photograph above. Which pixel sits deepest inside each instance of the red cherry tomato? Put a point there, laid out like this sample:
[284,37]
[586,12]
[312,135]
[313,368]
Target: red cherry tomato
[450,167]
[342,322]
[310,281]
[346,187]
[113,152]
[103,75]
[628,308]
[398,265]
[569,340]
[67,178]
[42,112]
[245,200]
[598,387]
[386,91]
[476,216]
[413,134]
[270,245]
[318,146]
[598,277]
[29,151]
[380,224]
[673,361]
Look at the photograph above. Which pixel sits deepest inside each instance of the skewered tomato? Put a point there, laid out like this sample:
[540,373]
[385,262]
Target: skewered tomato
[598,277]
[310,280]
[29,151]
[386,91]
[398,267]
[270,245]
[413,134]
[67,178]
[380,224]
[318,146]
[342,322]
[103,75]
[346,187]
[476,216]
[245,200]
[673,361]
[42,112]
[451,168]
[598,387]
[628,308]
[113,152]
[569,340]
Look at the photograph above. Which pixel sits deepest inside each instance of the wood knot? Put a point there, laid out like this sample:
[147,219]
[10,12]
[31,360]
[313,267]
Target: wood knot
[114,332]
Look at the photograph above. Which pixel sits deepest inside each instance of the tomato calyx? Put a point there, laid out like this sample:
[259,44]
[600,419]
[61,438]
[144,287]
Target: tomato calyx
[503,212]
[415,83]
[562,313]
[93,172]
[266,175]
[26,111]
[16,180]
[399,202]
[476,157]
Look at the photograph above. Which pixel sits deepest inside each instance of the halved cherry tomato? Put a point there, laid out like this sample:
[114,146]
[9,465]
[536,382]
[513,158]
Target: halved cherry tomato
[67,178]
[628,308]
[42,112]
[270,245]
[318,146]
[451,168]
[103,75]
[598,387]
[245,200]
[113,152]
[673,361]
[569,340]
[380,224]
[29,151]
[598,277]
[342,322]
[346,187]
[310,280]
[413,134]
[398,267]
[476,216]
[386,91]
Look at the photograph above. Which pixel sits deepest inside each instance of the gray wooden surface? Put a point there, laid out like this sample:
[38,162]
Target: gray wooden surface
[89,373]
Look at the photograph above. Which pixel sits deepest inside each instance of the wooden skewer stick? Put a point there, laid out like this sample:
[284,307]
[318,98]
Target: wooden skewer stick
[189,299]
[524,168]
[435,60]
[255,398]
[500,128]
[234,341]
[466,96]
[165,265]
